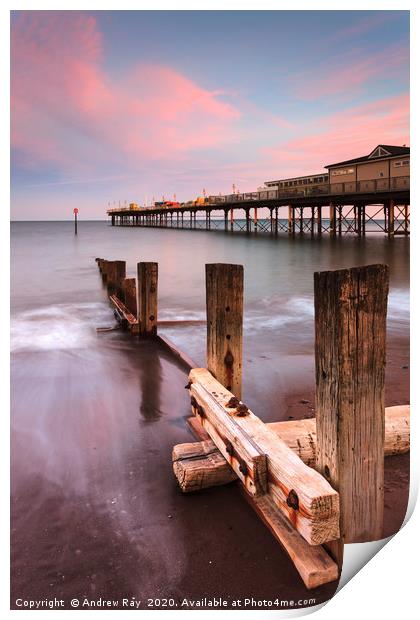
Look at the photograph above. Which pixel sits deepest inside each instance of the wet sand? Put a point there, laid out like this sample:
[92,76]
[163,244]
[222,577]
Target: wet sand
[108,521]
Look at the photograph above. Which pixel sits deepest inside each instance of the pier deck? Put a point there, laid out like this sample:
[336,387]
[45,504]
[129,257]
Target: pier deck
[347,212]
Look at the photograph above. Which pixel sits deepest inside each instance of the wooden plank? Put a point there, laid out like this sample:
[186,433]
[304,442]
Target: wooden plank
[313,563]
[299,435]
[350,332]
[244,456]
[397,430]
[201,467]
[302,494]
[172,347]
[124,313]
[147,306]
[224,302]
[130,295]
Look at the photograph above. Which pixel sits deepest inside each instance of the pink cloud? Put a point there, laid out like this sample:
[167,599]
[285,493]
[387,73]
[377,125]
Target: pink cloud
[350,74]
[371,22]
[343,135]
[66,108]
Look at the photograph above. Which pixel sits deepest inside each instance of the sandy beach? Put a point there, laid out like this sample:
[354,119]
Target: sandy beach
[96,511]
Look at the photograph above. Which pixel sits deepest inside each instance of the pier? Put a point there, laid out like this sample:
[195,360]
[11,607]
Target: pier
[334,214]
[316,484]
[370,190]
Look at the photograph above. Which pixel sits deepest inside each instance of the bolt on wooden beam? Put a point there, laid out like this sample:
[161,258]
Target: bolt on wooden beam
[224,301]
[350,331]
[147,306]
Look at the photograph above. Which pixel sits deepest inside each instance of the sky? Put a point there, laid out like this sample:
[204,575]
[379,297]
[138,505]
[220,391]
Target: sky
[116,106]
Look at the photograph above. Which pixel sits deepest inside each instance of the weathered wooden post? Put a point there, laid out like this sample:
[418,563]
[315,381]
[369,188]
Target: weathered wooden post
[147,305]
[350,355]
[130,296]
[115,276]
[105,266]
[224,301]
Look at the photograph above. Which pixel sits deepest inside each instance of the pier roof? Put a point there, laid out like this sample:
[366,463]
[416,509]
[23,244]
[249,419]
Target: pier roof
[382,151]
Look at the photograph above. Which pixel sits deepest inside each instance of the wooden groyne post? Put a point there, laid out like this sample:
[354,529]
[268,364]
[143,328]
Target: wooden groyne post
[116,271]
[130,295]
[147,304]
[224,303]
[350,335]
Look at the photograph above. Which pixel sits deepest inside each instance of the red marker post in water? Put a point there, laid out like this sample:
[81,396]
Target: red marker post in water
[75,211]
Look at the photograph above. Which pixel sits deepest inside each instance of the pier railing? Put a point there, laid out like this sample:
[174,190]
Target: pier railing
[368,186]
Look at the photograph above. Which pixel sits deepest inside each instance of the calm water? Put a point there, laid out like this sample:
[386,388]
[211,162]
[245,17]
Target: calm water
[94,417]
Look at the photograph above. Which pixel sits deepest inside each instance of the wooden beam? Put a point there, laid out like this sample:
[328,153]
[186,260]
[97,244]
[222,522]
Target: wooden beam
[243,455]
[125,316]
[147,306]
[350,331]
[299,436]
[302,494]
[200,465]
[176,351]
[313,563]
[224,301]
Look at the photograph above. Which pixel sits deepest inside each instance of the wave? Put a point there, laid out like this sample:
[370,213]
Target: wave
[58,327]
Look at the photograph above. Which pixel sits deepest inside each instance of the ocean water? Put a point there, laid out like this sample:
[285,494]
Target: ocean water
[94,416]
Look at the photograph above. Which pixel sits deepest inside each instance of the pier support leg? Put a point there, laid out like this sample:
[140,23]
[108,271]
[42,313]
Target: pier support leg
[256,218]
[226,212]
[224,301]
[147,277]
[319,220]
[312,221]
[248,221]
[112,220]
[276,224]
[232,220]
[291,221]
[391,218]
[359,220]
[301,220]
[350,355]
[406,220]
[332,219]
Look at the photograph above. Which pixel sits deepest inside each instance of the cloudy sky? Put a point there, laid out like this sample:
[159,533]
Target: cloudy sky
[115,106]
